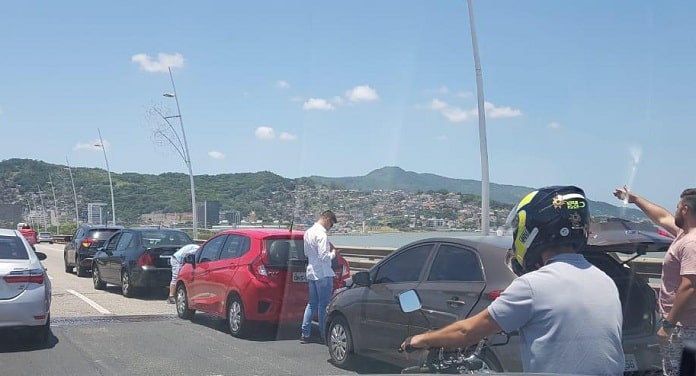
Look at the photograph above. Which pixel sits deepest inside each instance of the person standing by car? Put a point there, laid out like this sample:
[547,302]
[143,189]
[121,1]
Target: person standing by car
[677,298]
[319,273]
[567,311]
[177,260]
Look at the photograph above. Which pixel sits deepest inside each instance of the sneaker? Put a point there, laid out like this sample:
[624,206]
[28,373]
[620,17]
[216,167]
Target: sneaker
[171,300]
[304,340]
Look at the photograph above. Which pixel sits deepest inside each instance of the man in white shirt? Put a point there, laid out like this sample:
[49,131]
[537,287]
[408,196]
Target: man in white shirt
[177,260]
[319,273]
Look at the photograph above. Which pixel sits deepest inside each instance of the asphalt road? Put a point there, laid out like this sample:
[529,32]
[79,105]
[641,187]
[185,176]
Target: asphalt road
[103,333]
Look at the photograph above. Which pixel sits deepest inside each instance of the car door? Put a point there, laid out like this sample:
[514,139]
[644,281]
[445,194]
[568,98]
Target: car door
[383,325]
[222,271]
[452,288]
[118,256]
[201,290]
[71,246]
[103,259]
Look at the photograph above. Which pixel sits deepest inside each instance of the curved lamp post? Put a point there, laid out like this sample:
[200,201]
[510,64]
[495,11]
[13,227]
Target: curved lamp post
[111,184]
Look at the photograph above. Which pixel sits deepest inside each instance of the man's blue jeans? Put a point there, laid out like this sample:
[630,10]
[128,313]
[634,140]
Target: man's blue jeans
[319,296]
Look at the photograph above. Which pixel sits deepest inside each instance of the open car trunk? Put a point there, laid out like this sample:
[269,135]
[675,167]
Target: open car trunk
[638,299]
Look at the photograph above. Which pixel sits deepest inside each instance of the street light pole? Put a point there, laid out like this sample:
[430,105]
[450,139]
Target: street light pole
[55,203]
[111,184]
[77,212]
[43,208]
[186,154]
[483,144]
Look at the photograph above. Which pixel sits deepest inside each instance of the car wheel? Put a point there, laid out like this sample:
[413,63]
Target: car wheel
[68,267]
[182,307]
[340,343]
[236,320]
[96,279]
[126,287]
[79,269]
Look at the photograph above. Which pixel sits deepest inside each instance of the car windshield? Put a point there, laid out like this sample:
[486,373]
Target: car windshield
[101,234]
[165,237]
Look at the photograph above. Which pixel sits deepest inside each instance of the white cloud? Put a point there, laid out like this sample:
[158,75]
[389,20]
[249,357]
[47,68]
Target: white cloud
[501,112]
[442,90]
[554,125]
[285,136]
[465,94]
[457,115]
[437,104]
[164,61]
[265,133]
[92,146]
[317,104]
[362,93]
[216,154]
[283,84]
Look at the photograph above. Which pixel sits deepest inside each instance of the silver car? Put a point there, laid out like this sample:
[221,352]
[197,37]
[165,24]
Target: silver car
[25,289]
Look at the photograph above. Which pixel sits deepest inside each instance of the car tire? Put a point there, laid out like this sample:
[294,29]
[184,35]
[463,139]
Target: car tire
[127,288]
[96,279]
[68,267]
[236,319]
[79,269]
[340,343]
[182,307]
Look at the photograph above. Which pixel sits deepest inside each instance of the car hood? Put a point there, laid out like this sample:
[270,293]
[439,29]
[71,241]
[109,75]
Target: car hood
[627,237]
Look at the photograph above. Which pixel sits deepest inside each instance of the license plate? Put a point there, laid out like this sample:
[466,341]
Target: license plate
[168,258]
[299,277]
[631,363]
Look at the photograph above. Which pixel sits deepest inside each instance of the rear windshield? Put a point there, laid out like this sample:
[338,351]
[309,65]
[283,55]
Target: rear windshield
[158,237]
[101,234]
[282,251]
[12,248]
[44,234]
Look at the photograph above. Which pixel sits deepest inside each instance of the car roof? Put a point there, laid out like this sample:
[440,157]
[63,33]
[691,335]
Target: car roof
[7,232]
[263,232]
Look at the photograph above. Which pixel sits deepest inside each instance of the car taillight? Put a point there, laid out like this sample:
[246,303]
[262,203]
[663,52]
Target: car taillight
[346,270]
[144,259]
[86,243]
[495,294]
[664,233]
[259,270]
[25,276]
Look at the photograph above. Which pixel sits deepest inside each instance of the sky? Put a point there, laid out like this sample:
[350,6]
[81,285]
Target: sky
[596,94]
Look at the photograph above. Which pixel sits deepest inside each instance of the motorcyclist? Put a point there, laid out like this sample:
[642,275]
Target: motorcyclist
[567,311]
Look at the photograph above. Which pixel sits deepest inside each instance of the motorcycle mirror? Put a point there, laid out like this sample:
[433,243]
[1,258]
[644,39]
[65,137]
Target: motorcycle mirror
[409,301]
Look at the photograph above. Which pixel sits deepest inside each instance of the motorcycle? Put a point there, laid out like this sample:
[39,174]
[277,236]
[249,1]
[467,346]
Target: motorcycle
[442,360]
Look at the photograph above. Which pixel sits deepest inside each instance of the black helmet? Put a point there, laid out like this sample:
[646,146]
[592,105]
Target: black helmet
[548,217]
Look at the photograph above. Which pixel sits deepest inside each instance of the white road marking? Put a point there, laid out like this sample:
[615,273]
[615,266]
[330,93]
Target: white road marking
[51,278]
[90,302]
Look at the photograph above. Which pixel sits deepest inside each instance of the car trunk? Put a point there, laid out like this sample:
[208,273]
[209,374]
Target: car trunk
[14,278]
[638,299]
[286,263]
[161,256]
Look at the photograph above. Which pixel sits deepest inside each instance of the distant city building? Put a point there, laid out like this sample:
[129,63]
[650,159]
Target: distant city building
[95,213]
[208,213]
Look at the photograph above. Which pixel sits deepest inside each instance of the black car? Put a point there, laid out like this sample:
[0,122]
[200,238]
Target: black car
[78,252]
[137,258]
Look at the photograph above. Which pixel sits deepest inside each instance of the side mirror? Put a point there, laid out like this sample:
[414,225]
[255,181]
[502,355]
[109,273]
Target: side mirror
[362,279]
[409,301]
[190,259]
[42,256]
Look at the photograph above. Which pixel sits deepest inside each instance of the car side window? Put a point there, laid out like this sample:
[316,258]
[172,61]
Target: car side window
[455,263]
[404,267]
[112,242]
[125,241]
[211,250]
[236,246]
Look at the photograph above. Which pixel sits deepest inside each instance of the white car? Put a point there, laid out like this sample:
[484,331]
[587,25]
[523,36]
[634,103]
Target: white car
[25,289]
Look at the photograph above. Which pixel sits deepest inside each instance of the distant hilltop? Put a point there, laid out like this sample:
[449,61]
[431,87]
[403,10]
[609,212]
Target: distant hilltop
[395,178]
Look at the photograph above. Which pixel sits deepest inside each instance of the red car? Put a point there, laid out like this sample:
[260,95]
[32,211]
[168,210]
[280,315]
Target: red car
[247,276]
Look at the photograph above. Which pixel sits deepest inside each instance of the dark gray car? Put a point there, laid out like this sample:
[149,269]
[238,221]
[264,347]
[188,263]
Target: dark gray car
[458,277]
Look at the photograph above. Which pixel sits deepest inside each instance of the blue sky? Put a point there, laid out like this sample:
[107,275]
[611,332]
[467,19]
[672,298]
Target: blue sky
[577,91]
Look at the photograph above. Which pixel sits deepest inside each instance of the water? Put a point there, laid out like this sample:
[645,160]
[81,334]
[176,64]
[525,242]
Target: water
[391,240]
